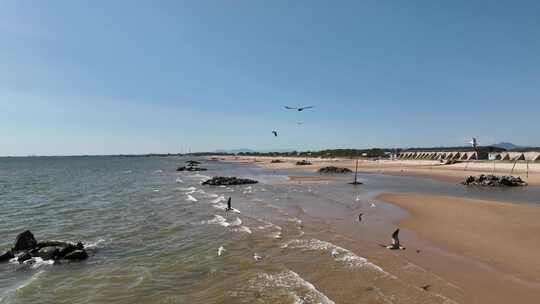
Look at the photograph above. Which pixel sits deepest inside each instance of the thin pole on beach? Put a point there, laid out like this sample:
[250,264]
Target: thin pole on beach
[527,169]
[511,171]
[493,166]
[356,171]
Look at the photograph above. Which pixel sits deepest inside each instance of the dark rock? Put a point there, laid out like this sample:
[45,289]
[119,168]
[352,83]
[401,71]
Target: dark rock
[24,241]
[76,255]
[48,253]
[24,257]
[276,161]
[52,243]
[190,169]
[494,181]
[303,163]
[6,256]
[228,181]
[333,169]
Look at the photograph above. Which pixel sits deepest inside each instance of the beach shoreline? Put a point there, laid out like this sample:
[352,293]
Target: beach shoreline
[454,173]
[484,248]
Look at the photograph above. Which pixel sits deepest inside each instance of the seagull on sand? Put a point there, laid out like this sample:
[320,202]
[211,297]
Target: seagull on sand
[257,257]
[300,109]
[426,287]
[373,205]
[334,252]
[220,250]
[275,133]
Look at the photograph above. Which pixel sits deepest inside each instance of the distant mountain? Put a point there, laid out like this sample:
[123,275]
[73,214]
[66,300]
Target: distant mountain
[506,145]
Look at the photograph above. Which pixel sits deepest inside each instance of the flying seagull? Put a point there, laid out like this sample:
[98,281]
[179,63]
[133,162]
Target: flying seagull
[220,250]
[275,133]
[395,241]
[229,205]
[298,109]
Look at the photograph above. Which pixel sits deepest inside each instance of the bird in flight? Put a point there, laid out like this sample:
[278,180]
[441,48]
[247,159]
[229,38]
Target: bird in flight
[298,109]
[275,133]
[395,242]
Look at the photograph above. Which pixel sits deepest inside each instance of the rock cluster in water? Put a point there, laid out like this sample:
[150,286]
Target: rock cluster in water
[303,163]
[228,181]
[494,181]
[192,165]
[333,169]
[26,248]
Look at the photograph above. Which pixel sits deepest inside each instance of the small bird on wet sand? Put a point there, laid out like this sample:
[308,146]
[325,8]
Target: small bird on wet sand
[395,242]
[373,205]
[360,217]
[257,257]
[275,133]
[220,250]
[229,205]
[426,287]
[334,252]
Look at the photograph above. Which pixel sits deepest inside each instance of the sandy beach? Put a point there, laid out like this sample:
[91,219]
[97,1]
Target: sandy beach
[419,168]
[499,237]
[486,249]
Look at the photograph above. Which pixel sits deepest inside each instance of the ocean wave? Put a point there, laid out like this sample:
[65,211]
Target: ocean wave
[94,244]
[236,222]
[187,189]
[340,254]
[243,229]
[191,198]
[218,220]
[178,180]
[221,198]
[288,283]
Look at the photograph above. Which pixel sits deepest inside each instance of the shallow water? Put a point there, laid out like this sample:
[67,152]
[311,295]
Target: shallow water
[155,234]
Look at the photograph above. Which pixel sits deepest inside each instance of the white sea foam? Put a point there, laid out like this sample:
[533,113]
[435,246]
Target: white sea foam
[93,245]
[236,222]
[178,180]
[158,171]
[187,189]
[219,220]
[221,198]
[340,254]
[289,283]
[243,229]
[191,198]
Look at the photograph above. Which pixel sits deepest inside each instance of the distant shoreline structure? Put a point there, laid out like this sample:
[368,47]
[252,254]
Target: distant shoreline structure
[430,153]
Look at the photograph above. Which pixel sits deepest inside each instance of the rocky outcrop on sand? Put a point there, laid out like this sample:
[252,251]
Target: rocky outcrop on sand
[27,248]
[228,181]
[333,169]
[494,181]
[303,163]
[276,161]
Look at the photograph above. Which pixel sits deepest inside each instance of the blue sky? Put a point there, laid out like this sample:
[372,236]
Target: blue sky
[103,77]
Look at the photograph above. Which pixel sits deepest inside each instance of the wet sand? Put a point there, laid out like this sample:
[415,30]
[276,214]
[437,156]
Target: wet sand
[419,168]
[492,247]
